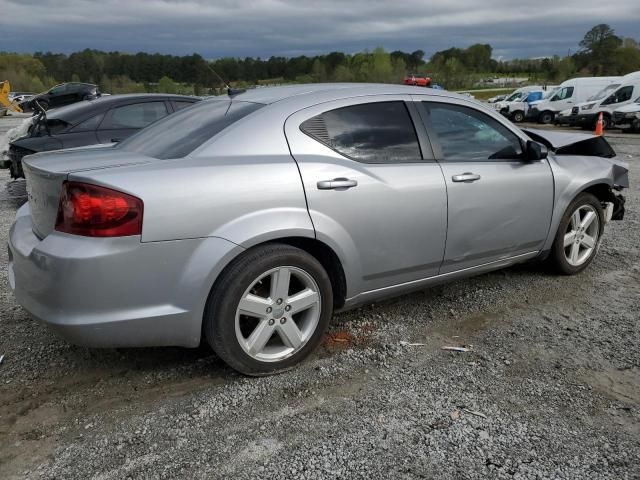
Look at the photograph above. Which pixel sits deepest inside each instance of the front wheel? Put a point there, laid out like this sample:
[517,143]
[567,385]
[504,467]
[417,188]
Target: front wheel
[578,236]
[518,117]
[269,309]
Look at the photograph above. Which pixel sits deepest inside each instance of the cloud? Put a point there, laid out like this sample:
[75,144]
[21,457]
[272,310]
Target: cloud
[288,27]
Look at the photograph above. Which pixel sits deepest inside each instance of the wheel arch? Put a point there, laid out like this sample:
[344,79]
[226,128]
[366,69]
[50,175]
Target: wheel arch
[319,250]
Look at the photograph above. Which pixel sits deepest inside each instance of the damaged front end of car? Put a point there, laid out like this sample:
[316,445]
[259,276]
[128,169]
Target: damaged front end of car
[592,161]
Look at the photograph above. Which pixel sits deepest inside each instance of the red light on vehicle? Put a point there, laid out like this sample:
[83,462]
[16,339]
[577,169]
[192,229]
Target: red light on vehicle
[94,211]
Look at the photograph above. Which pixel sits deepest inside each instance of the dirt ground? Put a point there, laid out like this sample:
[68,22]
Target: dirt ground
[550,388]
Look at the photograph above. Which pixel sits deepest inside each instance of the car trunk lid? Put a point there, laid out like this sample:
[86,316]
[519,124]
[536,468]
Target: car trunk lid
[46,172]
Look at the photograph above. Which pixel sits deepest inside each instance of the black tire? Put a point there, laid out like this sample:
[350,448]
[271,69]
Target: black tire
[557,259]
[518,117]
[219,318]
[546,117]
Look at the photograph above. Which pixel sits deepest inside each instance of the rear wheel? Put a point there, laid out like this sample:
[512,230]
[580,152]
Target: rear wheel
[546,117]
[578,236]
[269,309]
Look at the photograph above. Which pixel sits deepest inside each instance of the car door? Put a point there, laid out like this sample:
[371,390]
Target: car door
[499,203]
[125,120]
[374,191]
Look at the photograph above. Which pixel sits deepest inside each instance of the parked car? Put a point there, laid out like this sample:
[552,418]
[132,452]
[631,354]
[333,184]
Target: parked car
[628,117]
[586,114]
[61,95]
[571,118]
[417,80]
[20,96]
[569,93]
[249,221]
[497,98]
[105,120]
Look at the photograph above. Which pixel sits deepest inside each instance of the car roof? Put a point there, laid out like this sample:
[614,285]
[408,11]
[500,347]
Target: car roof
[268,95]
[79,110]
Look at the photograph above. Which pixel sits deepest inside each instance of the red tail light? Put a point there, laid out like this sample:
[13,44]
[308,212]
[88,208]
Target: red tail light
[94,211]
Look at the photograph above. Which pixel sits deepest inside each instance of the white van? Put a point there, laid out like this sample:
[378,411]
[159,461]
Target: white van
[586,114]
[517,95]
[572,91]
[519,110]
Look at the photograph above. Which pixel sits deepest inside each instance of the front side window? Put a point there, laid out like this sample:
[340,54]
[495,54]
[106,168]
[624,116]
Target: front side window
[467,134]
[563,94]
[380,132]
[622,95]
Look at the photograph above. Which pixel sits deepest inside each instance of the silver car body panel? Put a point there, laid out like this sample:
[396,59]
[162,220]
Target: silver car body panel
[404,227]
[402,206]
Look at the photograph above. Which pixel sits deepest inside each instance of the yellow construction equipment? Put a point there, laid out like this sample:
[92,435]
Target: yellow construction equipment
[5,103]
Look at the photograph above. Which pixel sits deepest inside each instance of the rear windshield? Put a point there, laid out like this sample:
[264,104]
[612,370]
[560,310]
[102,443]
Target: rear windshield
[178,135]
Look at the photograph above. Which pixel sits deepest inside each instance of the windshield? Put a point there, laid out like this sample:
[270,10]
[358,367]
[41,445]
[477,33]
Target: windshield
[178,135]
[551,93]
[564,93]
[514,97]
[604,92]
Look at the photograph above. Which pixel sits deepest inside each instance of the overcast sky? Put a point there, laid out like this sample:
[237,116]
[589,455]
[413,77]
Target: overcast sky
[263,28]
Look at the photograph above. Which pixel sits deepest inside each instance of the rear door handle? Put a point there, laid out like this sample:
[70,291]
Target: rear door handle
[466,177]
[337,184]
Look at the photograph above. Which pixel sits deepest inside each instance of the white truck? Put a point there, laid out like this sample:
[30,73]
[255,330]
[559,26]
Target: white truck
[586,114]
[569,93]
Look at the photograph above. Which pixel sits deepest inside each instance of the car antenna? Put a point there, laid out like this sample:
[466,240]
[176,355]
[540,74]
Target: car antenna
[232,92]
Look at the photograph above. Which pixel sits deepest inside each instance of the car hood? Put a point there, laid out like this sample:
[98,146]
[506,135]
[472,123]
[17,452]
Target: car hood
[578,148]
[554,139]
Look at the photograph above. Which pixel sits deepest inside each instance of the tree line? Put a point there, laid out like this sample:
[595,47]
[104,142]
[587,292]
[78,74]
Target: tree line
[601,52]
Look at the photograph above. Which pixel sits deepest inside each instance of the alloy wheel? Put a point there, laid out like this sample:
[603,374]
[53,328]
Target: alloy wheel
[278,314]
[581,236]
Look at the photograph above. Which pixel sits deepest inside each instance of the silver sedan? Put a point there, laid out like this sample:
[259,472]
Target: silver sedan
[250,219]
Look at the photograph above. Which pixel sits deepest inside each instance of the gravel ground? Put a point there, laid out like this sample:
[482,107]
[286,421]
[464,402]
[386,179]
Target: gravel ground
[551,388]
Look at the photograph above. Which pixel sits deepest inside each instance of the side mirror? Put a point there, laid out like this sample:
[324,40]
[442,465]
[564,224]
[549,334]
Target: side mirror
[536,151]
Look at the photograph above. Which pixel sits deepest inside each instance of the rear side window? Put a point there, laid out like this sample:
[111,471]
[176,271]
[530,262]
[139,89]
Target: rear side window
[181,133]
[466,134]
[138,115]
[177,105]
[380,132]
[90,124]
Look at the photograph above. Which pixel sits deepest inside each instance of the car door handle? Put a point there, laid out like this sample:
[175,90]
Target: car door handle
[337,184]
[116,140]
[466,177]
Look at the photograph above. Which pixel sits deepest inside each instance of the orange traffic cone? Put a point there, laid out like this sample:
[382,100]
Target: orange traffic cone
[599,126]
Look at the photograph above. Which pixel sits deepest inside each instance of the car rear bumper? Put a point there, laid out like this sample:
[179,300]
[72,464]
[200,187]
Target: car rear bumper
[115,292]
